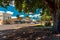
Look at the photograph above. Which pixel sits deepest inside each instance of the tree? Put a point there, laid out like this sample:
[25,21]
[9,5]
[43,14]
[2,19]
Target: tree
[32,5]
[54,6]
[46,17]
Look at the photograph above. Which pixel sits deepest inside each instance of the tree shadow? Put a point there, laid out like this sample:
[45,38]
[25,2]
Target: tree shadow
[28,33]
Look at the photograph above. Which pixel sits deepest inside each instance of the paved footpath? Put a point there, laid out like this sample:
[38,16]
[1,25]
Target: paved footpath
[15,26]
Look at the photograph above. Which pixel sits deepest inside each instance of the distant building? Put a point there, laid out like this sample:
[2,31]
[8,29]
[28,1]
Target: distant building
[14,19]
[4,16]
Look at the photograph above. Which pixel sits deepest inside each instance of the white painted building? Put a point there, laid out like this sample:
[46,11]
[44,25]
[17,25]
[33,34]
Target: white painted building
[4,16]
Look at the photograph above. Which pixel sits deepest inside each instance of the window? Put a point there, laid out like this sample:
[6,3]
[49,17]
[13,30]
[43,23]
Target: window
[9,17]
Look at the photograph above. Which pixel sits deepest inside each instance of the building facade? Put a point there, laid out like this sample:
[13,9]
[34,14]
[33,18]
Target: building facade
[4,17]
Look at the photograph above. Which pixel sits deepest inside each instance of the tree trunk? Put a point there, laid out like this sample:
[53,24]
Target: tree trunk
[57,22]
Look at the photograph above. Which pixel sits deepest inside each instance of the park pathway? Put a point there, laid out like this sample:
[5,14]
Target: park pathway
[15,26]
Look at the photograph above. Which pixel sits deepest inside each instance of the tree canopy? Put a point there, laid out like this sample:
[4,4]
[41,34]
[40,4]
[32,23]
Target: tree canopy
[31,5]
[25,5]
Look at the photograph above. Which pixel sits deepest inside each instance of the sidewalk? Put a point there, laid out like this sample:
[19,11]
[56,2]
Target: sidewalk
[15,26]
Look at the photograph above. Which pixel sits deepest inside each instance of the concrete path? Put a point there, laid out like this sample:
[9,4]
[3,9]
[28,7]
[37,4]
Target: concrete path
[15,26]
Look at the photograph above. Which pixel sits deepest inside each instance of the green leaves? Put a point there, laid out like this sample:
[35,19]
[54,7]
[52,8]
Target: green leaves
[28,5]
[25,5]
[45,17]
[4,3]
[18,5]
